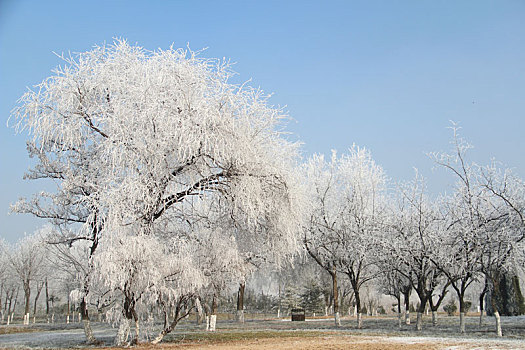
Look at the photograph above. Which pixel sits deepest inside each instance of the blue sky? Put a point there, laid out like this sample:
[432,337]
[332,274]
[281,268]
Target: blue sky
[387,75]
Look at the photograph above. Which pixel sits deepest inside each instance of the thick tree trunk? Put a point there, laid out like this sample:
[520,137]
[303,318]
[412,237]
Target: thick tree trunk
[358,305]
[407,317]
[498,323]
[27,295]
[419,321]
[123,332]
[406,297]
[337,319]
[88,332]
[434,318]
[212,320]
[495,295]
[199,311]
[481,302]
[420,311]
[462,312]
[462,322]
[240,303]
[128,313]
[137,329]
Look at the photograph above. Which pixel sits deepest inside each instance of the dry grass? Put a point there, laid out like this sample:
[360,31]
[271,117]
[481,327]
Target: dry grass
[17,329]
[317,342]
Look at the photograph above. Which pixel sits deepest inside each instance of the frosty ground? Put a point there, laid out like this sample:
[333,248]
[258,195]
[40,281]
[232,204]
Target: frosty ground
[378,333]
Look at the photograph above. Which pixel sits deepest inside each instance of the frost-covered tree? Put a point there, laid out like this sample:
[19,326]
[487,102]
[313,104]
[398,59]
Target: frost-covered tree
[467,213]
[4,273]
[322,238]
[481,235]
[362,191]
[347,210]
[26,258]
[132,136]
[412,241]
[504,238]
[396,285]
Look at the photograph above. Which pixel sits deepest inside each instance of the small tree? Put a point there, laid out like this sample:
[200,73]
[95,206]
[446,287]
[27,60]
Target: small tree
[312,297]
[450,308]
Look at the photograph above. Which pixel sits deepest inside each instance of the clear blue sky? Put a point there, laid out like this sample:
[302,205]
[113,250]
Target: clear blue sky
[388,75]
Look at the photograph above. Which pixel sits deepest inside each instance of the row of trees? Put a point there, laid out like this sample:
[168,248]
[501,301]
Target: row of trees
[36,278]
[409,241]
[173,183]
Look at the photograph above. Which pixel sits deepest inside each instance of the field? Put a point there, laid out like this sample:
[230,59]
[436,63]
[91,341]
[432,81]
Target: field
[280,334]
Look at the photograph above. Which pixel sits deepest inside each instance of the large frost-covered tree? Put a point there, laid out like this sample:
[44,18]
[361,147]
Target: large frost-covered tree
[133,137]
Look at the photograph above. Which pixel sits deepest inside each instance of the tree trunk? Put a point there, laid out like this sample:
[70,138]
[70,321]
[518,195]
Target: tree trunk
[88,332]
[419,321]
[136,339]
[68,306]
[38,291]
[462,312]
[406,296]
[399,317]
[420,311]
[125,323]
[462,322]
[358,305]
[240,303]
[123,332]
[434,318]
[337,319]
[199,313]
[14,303]
[495,295]
[498,323]
[212,321]
[27,294]
[481,302]
[47,298]
[6,297]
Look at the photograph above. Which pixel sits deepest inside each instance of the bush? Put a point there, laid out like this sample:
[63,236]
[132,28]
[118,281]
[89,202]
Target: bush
[468,304]
[450,308]
[381,310]
[364,310]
